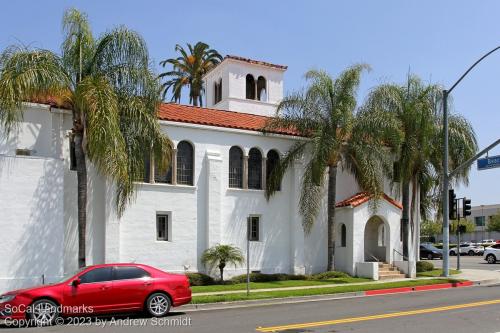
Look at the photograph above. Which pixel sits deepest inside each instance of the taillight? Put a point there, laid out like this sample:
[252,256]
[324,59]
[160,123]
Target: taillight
[186,282]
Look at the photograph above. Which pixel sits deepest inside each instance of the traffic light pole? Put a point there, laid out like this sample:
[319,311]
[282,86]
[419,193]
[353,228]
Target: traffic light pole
[446,175]
[446,221]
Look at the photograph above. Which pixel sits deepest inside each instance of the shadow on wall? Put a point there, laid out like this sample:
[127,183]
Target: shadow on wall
[271,254]
[40,249]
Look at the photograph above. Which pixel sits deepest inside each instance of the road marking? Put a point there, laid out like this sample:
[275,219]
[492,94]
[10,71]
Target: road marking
[374,317]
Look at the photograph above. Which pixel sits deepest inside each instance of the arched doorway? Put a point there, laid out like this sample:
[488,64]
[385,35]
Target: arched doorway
[376,240]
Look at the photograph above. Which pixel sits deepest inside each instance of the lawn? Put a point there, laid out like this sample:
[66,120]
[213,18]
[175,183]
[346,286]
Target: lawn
[275,284]
[314,291]
[436,273]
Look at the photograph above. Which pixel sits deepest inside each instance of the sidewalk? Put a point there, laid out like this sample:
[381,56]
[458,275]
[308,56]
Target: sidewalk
[479,276]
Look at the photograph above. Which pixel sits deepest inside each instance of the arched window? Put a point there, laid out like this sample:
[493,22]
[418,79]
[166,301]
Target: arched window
[255,169]
[164,177]
[261,89]
[185,163]
[218,91]
[219,97]
[273,158]
[250,88]
[235,167]
[343,236]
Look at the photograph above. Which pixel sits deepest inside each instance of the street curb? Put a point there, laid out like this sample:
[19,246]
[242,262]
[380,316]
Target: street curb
[317,298]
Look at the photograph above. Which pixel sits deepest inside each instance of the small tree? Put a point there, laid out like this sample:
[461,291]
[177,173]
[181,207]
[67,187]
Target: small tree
[469,226]
[494,222]
[220,255]
[430,228]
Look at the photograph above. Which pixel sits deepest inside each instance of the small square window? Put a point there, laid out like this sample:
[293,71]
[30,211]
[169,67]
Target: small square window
[163,227]
[254,229]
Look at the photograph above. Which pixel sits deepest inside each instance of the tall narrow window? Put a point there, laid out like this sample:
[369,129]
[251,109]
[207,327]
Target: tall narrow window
[255,169]
[185,163]
[261,89]
[219,95]
[165,176]
[162,227]
[254,229]
[147,167]
[273,159]
[250,87]
[235,167]
[343,236]
[216,92]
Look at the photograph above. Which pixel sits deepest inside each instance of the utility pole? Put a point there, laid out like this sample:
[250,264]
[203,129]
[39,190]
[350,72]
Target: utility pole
[446,175]
[248,256]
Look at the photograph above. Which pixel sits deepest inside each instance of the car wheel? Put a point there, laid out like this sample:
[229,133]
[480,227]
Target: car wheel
[471,253]
[491,259]
[43,312]
[452,253]
[158,305]
[429,256]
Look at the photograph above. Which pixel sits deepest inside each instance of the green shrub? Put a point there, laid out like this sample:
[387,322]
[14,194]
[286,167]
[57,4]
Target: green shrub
[261,277]
[200,279]
[328,275]
[424,266]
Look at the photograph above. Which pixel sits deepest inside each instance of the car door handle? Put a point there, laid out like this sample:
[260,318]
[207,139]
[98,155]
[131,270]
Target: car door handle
[148,283]
[105,287]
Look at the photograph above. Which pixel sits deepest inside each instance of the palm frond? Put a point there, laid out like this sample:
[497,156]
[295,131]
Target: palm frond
[24,75]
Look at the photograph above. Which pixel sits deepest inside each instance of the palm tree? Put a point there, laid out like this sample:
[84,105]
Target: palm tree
[416,107]
[220,255]
[188,71]
[113,97]
[338,136]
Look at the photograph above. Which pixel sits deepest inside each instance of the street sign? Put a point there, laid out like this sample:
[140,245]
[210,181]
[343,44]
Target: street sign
[488,162]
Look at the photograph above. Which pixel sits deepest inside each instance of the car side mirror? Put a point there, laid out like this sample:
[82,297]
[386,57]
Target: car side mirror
[76,283]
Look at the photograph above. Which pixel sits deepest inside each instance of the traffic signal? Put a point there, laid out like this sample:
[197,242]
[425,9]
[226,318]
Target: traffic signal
[467,207]
[452,204]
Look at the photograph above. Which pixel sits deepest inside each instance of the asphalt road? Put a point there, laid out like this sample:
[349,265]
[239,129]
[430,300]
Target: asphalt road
[471,262]
[473,309]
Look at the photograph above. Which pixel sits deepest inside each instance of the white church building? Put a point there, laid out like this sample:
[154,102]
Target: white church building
[219,169]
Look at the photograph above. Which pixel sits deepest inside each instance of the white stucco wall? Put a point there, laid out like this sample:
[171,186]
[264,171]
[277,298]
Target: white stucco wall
[38,196]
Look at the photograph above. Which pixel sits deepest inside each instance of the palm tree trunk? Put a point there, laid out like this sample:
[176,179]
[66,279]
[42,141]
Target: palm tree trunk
[195,100]
[332,192]
[81,171]
[221,269]
[405,218]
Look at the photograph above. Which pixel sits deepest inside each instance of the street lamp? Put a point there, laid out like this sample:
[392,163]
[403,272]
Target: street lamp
[446,175]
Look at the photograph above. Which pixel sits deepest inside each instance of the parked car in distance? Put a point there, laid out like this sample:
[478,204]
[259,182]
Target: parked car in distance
[96,290]
[468,249]
[492,254]
[487,242]
[429,251]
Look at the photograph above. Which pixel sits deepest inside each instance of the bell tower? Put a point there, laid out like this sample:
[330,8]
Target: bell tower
[245,85]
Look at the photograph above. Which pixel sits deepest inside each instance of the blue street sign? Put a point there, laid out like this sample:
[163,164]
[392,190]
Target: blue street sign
[488,162]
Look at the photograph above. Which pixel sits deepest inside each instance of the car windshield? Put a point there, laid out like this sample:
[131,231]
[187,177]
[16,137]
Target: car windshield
[70,274]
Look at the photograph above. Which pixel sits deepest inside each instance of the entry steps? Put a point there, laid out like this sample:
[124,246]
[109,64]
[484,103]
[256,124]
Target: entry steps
[389,272]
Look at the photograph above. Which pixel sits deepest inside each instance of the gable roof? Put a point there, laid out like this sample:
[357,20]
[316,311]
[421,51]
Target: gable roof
[362,197]
[219,118]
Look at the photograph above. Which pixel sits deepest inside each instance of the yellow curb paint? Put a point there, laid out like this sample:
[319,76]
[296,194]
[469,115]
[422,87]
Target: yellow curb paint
[374,317]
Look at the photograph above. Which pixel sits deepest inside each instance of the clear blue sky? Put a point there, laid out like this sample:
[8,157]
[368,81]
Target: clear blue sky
[437,40]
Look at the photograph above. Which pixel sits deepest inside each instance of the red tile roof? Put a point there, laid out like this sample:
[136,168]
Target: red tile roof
[362,197]
[196,115]
[213,117]
[256,62]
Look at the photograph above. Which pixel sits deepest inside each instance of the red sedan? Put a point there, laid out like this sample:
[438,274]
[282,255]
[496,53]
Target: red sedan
[99,289]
